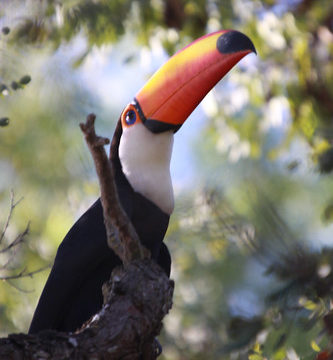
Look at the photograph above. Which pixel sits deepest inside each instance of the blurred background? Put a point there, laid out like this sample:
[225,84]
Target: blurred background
[252,233]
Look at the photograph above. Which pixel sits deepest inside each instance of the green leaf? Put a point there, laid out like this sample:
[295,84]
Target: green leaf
[25,80]
[3,87]
[15,85]
[4,121]
[315,346]
[5,30]
[326,161]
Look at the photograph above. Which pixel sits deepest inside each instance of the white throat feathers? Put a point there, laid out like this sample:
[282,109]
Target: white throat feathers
[145,159]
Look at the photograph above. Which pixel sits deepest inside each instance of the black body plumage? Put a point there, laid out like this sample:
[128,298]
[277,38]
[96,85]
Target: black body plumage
[73,291]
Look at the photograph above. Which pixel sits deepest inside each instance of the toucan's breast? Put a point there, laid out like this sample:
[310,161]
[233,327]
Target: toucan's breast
[145,161]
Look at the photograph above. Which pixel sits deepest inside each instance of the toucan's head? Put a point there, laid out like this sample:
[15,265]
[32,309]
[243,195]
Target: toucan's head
[161,107]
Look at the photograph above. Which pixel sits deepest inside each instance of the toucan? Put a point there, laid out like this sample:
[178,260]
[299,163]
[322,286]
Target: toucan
[144,139]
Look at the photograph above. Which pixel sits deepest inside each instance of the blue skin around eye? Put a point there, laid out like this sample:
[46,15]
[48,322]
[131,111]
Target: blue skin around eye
[130,117]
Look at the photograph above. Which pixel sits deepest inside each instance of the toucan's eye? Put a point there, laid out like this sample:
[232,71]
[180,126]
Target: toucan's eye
[130,117]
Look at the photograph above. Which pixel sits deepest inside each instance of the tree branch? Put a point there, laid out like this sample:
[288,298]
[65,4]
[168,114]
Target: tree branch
[124,241]
[24,273]
[137,299]
[11,210]
[10,248]
[18,240]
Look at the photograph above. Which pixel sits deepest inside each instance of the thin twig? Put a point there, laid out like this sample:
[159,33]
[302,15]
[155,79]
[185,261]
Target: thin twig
[125,241]
[12,207]
[11,249]
[18,288]
[18,240]
[9,260]
[23,274]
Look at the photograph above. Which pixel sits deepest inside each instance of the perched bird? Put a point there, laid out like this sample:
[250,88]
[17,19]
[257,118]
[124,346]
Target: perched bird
[144,139]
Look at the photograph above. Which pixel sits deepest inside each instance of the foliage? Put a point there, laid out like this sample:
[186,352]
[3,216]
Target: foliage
[250,240]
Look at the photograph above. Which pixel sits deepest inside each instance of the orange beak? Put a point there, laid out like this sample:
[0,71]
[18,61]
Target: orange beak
[176,89]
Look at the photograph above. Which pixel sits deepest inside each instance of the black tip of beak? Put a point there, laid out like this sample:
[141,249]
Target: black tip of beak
[234,41]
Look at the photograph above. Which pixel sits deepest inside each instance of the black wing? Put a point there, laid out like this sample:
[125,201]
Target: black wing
[73,291]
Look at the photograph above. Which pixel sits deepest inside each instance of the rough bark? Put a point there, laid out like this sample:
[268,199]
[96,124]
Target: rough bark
[136,300]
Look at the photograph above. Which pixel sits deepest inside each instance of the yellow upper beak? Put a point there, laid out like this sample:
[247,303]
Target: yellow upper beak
[176,89]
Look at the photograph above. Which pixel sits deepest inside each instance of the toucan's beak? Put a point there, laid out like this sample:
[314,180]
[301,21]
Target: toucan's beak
[176,89]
